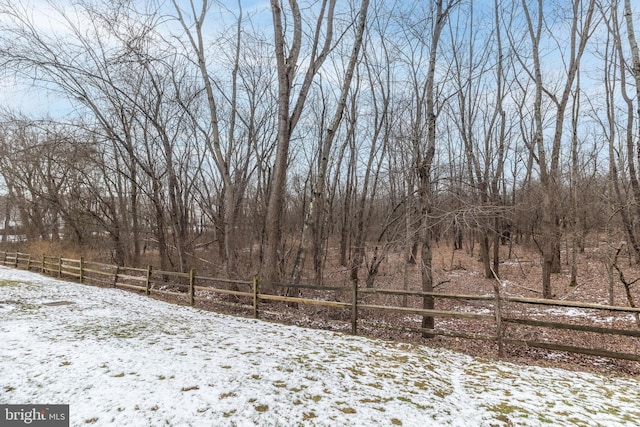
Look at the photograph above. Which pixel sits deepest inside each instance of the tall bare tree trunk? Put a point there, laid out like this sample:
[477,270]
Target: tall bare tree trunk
[286,64]
[318,188]
[550,169]
[575,221]
[424,161]
[632,136]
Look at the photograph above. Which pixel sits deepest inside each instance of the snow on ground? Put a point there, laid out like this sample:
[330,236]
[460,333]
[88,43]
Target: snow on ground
[118,358]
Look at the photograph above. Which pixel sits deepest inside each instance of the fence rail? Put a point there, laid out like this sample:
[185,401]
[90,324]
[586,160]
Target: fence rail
[497,318]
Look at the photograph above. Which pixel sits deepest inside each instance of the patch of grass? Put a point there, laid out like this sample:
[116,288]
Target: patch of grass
[546,420]
[396,422]
[506,409]
[225,395]
[404,347]
[9,388]
[190,388]
[10,283]
[355,371]
[504,419]
[120,375]
[608,393]
[24,306]
[123,334]
[441,393]
[261,408]
[348,410]
[421,385]
[121,329]
[91,420]
[256,377]
[317,398]
[631,418]
[230,413]
[279,384]
[308,415]
[407,400]
[225,367]
[400,359]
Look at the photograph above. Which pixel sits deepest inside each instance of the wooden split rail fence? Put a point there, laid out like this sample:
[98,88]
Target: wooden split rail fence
[499,319]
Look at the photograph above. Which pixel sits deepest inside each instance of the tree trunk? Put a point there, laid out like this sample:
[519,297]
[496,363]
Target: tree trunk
[318,188]
[424,161]
[286,67]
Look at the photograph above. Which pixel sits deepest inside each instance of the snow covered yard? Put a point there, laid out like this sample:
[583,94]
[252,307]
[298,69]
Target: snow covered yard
[122,359]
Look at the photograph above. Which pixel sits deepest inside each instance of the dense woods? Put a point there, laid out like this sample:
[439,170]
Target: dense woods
[253,138]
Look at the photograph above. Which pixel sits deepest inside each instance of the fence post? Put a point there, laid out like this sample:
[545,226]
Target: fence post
[256,288]
[81,270]
[4,260]
[148,284]
[59,266]
[29,263]
[354,308]
[115,276]
[498,314]
[43,268]
[192,291]
[15,261]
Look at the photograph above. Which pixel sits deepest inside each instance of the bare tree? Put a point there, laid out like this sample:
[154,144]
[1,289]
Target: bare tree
[318,188]
[372,133]
[94,75]
[230,155]
[287,53]
[581,22]
[423,50]
[481,123]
